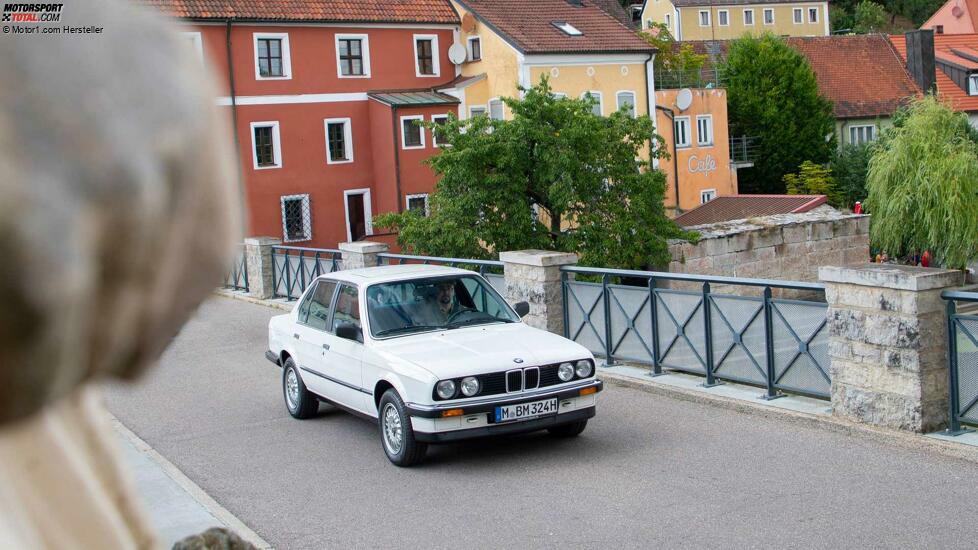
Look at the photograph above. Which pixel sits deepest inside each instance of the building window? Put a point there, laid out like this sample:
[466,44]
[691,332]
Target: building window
[862,134]
[439,120]
[813,15]
[597,107]
[296,218]
[668,21]
[796,15]
[748,17]
[559,95]
[193,38]
[412,134]
[704,130]
[265,145]
[707,195]
[768,16]
[418,203]
[973,84]
[475,48]
[496,109]
[704,18]
[426,55]
[272,60]
[682,131]
[723,18]
[477,110]
[339,140]
[626,101]
[352,55]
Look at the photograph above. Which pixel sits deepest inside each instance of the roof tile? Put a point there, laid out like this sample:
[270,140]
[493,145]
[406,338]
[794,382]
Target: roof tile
[946,88]
[365,11]
[741,207]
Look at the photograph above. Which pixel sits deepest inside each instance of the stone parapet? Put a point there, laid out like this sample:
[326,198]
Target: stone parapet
[361,254]
[258,263]
[533,276]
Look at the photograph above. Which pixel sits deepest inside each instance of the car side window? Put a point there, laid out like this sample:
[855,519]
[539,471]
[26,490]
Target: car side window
[347,307]
[320,299]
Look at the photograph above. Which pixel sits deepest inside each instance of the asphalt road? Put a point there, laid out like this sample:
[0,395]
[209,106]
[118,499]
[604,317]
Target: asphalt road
[648,472]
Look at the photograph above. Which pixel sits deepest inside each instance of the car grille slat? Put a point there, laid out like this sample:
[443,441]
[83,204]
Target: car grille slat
[528,378]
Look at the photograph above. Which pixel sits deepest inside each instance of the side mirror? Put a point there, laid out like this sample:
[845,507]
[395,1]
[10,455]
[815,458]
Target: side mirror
[348,331]
[522,309]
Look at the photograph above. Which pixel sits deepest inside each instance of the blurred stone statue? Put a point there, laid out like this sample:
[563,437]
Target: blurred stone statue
[118,210]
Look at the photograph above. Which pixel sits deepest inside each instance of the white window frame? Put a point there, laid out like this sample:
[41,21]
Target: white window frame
[559,95]
[404,135]
[689,131]
[347,138]
[812,10]
[712,193]
[434,137]
[973,84]
[468,44]
[286,55]
[751,12]
[306,219]
[407,201]
[764,16]
[798,16]
[668,20]
[435,64]
[364,51]
[721,15]
[197,44]
[502,108]
[276,145]
[699,137]
[597,95]
[368,225]
[483,108]
[634,105]
[699,18]
[864,129]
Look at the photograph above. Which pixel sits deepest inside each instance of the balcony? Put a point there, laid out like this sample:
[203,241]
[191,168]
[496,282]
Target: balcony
[698,78]
[743,151]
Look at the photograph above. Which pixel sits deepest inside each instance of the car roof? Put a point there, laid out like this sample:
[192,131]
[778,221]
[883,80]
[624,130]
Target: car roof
[388,273]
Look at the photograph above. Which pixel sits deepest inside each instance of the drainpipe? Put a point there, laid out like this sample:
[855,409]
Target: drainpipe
[234,110]
[675,152]
[397,159]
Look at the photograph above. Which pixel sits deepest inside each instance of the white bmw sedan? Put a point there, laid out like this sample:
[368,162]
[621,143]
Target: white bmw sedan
[432,354]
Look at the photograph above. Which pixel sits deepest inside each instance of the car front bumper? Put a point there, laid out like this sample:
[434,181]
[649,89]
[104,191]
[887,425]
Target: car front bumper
[508,428]
[475,405]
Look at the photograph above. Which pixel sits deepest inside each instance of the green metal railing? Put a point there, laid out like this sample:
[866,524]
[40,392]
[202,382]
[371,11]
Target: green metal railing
[962,356]
[237,277]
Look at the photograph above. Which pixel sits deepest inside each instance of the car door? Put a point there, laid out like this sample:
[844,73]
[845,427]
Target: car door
[344,358]
[312,337]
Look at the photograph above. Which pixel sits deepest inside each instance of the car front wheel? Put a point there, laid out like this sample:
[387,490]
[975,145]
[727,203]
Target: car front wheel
[396,434]
[299,401]
[572,429]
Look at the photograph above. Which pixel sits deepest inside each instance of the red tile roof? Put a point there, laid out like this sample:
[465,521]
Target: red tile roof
[529,26]
[740,207]
[361,11]
[861,74]
[943,46]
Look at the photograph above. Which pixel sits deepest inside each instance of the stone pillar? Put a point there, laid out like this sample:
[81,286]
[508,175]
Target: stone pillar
[258,262]
[888,344]
[533,276]
[361,254]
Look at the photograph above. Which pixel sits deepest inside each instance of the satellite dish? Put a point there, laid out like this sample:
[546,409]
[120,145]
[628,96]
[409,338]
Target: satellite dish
[456,54]
[956,11]
[684,99]
[468,23]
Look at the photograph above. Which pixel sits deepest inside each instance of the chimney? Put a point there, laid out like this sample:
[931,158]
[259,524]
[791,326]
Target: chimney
[920,59]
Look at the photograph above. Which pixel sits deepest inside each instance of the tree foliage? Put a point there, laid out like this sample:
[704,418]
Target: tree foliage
[923,186]
[849,166]
[556,158]
[814,179]
[772,94]
[680,63]
[869,17]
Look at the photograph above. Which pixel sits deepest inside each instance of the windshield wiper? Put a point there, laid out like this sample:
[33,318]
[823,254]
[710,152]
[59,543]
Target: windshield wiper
[479,321]
[409,328]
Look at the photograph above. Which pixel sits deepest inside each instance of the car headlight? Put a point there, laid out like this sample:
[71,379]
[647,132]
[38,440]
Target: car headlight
[584,368]
[470,386]
[445,389]
[565,372]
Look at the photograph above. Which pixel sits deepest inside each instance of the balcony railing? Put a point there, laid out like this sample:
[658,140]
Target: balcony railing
[743,149]
[680,78]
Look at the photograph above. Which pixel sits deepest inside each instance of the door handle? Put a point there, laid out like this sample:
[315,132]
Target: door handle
[326,346]
[296,335]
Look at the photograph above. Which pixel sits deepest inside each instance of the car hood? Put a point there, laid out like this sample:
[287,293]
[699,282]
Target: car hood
[482,349]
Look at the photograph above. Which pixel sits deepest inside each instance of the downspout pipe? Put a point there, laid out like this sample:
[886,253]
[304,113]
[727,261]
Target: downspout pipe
[397,160]
[234,108]
[675,162]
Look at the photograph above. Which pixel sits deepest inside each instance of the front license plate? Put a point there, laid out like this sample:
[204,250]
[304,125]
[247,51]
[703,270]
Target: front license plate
[526,410]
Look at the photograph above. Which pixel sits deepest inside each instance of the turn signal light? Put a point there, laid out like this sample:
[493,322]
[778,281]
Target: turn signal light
[589,391]
[451,412]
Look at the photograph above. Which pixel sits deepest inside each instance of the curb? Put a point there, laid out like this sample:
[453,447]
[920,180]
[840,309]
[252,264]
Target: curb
[234,295]
[830,423]
[194,490]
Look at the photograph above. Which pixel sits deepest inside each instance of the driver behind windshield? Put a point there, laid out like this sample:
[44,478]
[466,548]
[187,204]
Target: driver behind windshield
[442,303]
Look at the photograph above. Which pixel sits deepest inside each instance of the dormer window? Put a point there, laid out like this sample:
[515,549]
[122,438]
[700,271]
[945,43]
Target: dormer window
[567,28]
[973,84]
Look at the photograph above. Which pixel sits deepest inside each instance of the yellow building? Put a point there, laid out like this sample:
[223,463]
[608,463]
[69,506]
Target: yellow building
[728,19]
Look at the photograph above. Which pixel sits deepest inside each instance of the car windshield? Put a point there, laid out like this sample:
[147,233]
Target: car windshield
[419,305]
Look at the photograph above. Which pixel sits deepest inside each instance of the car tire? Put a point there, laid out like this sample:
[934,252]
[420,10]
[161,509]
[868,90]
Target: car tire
[396,435]
[571,429]
[299,401]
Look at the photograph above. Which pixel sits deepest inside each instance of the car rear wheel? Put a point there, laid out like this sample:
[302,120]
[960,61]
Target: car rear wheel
[396,434]
[299,401]
[571,429]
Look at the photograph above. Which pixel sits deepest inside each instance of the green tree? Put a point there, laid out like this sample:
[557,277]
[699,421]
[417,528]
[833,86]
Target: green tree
[555,176]
[678,66]
[814,179]
[923,186]
[772,95]
[849,166]
[869,17]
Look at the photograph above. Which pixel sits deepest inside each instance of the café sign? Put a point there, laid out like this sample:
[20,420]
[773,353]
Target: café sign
[705,165]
